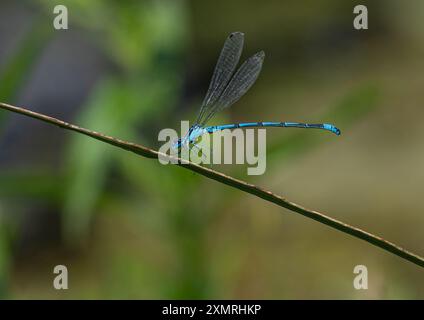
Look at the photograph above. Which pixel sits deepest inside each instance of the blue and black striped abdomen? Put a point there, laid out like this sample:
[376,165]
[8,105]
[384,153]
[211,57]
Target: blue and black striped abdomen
[323,126]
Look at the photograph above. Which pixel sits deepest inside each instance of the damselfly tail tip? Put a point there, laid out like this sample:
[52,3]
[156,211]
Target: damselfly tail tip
[337,131]
[332,128]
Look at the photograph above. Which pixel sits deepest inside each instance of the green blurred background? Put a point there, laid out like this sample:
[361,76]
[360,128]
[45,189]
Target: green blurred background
[128,227]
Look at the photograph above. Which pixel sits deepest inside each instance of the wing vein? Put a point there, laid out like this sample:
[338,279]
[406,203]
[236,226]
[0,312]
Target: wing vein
[241,82]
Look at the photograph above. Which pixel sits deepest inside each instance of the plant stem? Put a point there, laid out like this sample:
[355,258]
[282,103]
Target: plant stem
[232,182]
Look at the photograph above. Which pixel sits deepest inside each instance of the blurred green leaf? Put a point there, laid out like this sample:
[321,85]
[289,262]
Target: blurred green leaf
[31,184]
[145,90]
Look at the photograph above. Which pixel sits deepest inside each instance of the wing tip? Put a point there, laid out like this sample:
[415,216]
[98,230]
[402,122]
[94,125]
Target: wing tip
[259,55]
[236,33]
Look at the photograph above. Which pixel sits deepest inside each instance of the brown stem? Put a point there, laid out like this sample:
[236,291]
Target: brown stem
[232,182]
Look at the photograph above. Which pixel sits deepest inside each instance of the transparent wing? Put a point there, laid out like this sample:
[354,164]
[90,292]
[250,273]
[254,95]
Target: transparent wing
[243,79]
[227,62]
